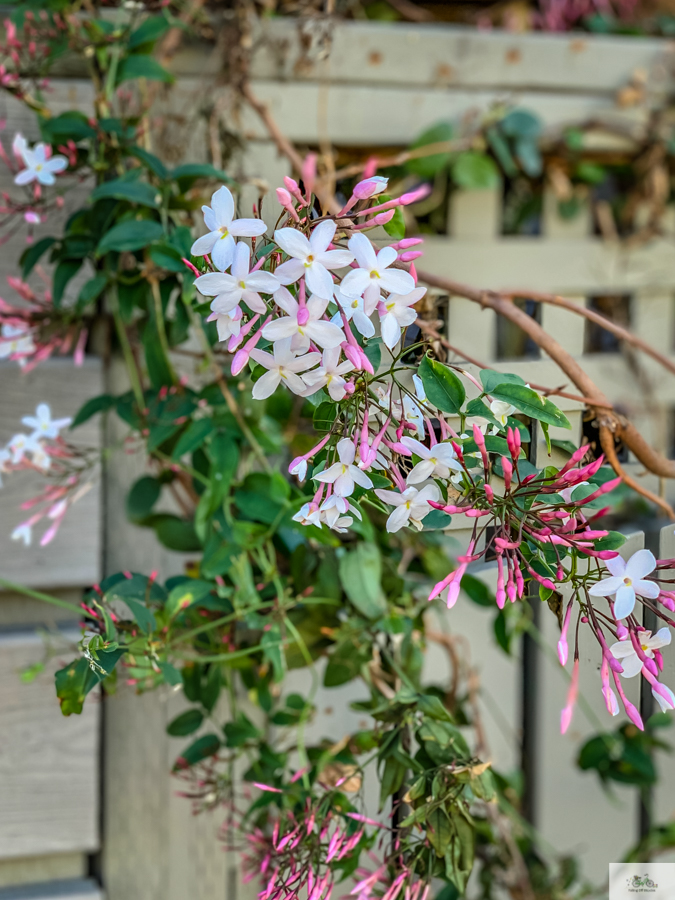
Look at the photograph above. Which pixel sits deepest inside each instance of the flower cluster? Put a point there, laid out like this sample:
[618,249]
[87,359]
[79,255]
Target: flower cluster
[302,857]
[305,313]
[43,450]
[34,328]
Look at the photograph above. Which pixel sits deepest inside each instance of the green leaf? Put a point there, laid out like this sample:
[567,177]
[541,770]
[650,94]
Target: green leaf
[99,404]
[478,591]
[132,191]
[148,31]
[360,575]
[240,731]
[91,290]
[439,831]
[590,172]
[185,175]
[491,378]
[520,123]
[443,388]
[150,161]
[531,404]
[475,171]
[373,350]
[431,706]
[529,157]
[500,148]
[176,534]
[142,497]
[324,415]
[193,437]
[478,408]
[171,674]
[64,272]
[68,125]
[134,234]
[31,255]
[145,618]
[204,747]
[428,166]
[436,519]
[167,257]
[140,65]
[395,227]
[73,683]
[186,723]
[186,594]
[613,541]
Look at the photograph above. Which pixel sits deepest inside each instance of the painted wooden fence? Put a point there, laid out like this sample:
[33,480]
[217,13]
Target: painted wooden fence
[357,85]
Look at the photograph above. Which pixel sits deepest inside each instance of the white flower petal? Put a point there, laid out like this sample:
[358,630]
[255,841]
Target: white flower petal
[640,564]
[624,602]
[293,243]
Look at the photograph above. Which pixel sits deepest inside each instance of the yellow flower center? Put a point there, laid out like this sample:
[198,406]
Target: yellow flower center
[645,647]
[223,231]
[627,582]
[309,261]
[374,274]
[242,285]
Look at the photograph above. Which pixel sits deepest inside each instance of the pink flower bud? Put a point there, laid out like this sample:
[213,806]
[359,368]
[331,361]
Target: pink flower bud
[562,643]
[410,255]
[239,361]
[415,196]
[369,187]
[568,711]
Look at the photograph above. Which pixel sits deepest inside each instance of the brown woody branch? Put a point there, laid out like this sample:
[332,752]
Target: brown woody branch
[590,314]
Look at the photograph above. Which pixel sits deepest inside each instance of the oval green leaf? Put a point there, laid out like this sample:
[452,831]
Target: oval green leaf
[443,388]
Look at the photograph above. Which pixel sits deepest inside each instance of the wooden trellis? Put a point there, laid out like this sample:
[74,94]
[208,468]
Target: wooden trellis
[356,84]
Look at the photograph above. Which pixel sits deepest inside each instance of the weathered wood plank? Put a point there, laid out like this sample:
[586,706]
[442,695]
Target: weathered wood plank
[48,763]
[433,56]
[360,115]
[73,557]
[47,868]
[67,889]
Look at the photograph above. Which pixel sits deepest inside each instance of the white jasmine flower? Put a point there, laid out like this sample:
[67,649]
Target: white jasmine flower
[358,311]
[20,444]
[228,324]
[625,651]
[396,312]
[23,533]
[501,411]
[283,366]
[411,506]
[42,423]
[303,324]
[435,461]
[311,258]
[374,273]
[344,475]
[329,374]
[627,580]
[15,339]
[230,290]
[39,165]
[223,229]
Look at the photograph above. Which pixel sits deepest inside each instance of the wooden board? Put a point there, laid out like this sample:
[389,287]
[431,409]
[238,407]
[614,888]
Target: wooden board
[433,56]
[48,763]
[73,557]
